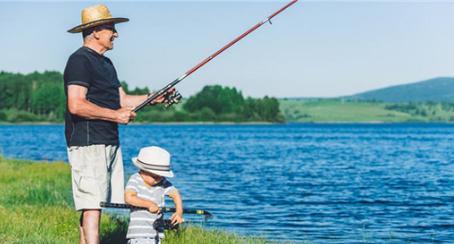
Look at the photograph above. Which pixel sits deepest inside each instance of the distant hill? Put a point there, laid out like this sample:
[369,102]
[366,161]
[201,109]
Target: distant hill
[435,90]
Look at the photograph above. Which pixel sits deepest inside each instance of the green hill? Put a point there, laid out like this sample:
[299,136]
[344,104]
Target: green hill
[344,110]
[434,90]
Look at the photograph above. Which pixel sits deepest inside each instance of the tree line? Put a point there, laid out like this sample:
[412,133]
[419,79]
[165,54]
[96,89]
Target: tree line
[31,97]
[40,96]
[219,104]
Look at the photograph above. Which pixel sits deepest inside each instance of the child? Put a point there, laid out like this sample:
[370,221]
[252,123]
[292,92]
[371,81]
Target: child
[147,188]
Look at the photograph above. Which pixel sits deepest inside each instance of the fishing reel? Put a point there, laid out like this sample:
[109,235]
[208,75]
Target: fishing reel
[164,224]
[172,98]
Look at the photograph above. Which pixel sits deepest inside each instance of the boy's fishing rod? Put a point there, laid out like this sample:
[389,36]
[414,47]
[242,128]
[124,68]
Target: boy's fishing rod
[163,209]
[176,97]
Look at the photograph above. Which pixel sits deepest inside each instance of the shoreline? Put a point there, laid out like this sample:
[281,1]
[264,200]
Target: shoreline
[248,123]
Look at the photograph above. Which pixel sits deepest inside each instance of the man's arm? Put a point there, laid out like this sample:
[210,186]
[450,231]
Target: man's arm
[177,217]
[131,198]
[80,106]
[130,100]
[135,100]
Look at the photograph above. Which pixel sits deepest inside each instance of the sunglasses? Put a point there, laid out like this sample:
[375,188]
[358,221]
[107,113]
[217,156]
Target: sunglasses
[106,27]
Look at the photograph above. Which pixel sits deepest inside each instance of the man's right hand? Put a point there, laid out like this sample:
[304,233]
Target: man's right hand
[125,115]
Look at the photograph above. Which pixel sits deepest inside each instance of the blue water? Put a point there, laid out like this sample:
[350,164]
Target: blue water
[347,183]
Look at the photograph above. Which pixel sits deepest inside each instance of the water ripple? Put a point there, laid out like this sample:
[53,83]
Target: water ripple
[349,183]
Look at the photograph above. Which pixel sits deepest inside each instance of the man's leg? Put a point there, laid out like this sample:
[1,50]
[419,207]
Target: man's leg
[81,230]
[89,231]
[117,184]
[90,182]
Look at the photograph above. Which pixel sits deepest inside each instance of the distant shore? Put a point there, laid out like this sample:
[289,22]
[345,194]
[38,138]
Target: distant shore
[351,111]
[248,123]
[152,123]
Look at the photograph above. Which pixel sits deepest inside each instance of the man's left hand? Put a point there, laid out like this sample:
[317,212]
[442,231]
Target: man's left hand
[162,98]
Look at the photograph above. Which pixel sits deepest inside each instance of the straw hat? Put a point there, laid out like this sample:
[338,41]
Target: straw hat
[96,15]
[155,160]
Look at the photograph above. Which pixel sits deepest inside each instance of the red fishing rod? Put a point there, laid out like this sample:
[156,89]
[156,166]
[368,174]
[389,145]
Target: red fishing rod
[174,98]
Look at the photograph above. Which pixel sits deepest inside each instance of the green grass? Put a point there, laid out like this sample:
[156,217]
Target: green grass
[338,110]
[36,207]
[193,234]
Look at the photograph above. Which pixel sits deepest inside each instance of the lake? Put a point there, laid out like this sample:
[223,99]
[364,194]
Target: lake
[321,183]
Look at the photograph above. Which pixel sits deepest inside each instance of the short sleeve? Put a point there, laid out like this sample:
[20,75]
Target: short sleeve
[132,184]
[77,71]
[168,187]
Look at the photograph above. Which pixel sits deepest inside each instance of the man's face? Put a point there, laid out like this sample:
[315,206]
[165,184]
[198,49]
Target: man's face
[105,34]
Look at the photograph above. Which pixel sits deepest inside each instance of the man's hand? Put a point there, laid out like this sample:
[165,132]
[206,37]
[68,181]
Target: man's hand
[125,115]
[177,218]
[162,98]
[153,208]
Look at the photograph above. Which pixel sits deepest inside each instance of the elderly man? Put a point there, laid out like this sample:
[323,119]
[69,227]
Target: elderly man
[96,104]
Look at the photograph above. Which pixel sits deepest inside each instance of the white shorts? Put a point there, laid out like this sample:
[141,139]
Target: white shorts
[97,175]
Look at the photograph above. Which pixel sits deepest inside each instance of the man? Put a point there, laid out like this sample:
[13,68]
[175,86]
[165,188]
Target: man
[96,104]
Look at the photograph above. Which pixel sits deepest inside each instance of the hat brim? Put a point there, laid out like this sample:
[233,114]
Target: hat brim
[82,27]
[156,172]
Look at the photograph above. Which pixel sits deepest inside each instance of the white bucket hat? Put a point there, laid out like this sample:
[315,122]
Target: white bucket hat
[155,160]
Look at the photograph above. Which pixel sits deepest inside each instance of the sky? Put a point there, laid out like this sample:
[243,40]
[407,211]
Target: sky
[313,49]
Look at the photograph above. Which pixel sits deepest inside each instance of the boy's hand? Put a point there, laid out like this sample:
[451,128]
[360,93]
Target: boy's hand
[177,218]
[154,208]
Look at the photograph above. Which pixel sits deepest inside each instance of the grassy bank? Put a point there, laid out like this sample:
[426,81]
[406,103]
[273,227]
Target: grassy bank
[339,110]
[36,207]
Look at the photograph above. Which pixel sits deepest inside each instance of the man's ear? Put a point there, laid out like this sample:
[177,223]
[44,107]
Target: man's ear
[96,35]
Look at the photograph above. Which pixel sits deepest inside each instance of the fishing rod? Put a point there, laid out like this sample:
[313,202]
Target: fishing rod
[176,97]
[205,213]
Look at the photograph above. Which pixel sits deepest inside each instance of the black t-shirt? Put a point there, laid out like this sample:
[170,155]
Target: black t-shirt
[89,69]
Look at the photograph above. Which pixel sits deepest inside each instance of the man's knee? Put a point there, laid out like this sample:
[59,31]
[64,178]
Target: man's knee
[89,215]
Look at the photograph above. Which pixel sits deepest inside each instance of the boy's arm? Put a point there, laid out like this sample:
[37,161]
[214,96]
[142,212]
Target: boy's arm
[131,198]
[177,217]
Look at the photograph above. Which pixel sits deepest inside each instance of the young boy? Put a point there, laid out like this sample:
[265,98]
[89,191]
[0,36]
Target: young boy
[147,188]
